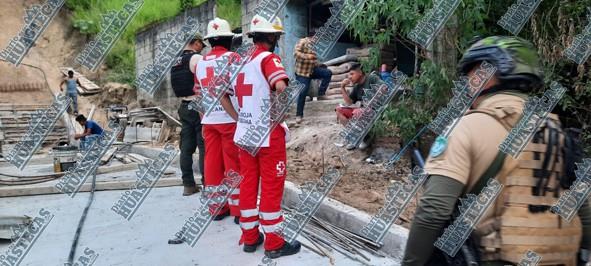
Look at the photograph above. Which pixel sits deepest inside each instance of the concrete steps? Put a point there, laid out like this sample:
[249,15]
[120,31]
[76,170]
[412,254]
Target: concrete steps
[14,123]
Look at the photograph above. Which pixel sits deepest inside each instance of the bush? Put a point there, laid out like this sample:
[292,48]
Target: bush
[121,60]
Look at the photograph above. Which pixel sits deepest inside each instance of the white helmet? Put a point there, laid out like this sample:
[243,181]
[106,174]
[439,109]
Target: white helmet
[218,28]
[260,24]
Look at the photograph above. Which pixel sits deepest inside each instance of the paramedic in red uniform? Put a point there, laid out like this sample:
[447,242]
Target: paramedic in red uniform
[260,77]
[221,155]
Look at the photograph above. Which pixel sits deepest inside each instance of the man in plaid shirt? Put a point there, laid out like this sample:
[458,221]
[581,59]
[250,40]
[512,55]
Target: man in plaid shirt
[308,68]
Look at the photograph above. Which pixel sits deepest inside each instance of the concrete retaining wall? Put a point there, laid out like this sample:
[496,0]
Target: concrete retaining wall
[145,50]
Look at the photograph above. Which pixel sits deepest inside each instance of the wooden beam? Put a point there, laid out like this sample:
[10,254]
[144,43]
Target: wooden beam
[14,191]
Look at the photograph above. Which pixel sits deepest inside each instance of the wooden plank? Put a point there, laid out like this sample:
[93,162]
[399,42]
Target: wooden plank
[15,191]
[138,158]
[116,168]
[108,155]
[87,86]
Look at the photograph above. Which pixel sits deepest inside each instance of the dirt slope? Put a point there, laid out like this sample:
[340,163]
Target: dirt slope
[58,46]
[311,149]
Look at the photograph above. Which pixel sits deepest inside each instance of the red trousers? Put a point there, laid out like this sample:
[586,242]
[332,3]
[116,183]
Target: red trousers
[269,167]
[221,156]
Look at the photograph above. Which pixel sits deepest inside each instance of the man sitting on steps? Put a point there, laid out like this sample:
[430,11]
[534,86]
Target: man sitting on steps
[361,83]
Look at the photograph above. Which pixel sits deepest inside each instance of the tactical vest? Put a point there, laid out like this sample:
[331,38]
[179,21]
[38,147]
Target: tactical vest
[181,77]
[522,219]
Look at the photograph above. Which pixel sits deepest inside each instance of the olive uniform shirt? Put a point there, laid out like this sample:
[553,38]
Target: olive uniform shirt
[471,148]
[474,143]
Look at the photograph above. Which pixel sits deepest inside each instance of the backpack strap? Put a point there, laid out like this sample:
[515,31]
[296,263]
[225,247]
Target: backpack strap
[492,171]
[508,117]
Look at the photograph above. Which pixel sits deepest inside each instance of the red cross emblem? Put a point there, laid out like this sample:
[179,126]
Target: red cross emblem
[280,168]
[242,89]
[209,75]
[255,21]
[215,26]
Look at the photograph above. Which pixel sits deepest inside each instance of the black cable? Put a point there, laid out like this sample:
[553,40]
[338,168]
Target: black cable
[81,222]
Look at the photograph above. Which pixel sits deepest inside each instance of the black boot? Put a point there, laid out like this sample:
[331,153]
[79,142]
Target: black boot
[221,216]
[287,249]
[237,219]
[252,248]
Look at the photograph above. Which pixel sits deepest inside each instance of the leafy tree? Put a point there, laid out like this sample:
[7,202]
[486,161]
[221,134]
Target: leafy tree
[551,29]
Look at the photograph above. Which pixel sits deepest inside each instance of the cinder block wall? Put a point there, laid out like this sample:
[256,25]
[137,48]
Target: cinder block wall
[295,21]
[145,50]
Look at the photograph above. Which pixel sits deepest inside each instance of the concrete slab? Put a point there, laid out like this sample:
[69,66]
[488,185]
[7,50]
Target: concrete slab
[143,240]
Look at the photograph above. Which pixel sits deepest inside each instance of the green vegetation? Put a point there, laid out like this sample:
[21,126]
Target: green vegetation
[230,11]
[121,61]
[551,29]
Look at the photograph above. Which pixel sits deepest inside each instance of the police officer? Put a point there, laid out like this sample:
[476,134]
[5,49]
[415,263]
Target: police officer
[519,219]
[182,77]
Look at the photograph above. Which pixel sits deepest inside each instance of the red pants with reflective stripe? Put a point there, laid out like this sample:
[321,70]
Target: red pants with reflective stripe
[221,156]
[268,167]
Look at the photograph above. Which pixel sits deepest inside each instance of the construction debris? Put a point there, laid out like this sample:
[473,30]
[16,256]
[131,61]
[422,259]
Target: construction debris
[8,224]
[327,237]
[150,114]
[150,124]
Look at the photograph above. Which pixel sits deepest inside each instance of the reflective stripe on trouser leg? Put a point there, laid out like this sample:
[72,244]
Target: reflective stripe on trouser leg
[214,170]
[234,202]
[249,189]
[231,162]
[273,172]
